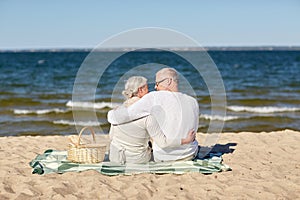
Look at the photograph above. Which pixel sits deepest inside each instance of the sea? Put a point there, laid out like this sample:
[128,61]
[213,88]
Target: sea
[36,87]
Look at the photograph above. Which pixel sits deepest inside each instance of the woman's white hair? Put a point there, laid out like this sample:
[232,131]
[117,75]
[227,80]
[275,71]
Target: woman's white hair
[132,86]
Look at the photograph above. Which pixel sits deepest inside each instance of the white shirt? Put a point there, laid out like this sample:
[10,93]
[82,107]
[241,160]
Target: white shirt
[176,113]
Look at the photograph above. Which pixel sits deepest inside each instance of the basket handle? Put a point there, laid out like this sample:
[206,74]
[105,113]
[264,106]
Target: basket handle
[83,129]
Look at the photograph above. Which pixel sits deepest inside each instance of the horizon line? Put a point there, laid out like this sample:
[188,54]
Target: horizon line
[207,48]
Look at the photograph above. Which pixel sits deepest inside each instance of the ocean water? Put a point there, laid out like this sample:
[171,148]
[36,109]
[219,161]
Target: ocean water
[262,89]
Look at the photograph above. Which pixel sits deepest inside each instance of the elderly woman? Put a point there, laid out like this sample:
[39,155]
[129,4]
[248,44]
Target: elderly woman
[129,142]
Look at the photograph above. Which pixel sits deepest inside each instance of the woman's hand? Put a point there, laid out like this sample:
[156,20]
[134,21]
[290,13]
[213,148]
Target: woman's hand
[190,137]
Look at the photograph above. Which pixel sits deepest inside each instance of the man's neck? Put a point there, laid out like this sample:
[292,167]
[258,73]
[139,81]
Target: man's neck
[174,88]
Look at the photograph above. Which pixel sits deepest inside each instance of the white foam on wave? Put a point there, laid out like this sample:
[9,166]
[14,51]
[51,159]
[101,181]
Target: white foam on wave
[38,112]
[80,123]
[99,105]
[263,109]
[218,117]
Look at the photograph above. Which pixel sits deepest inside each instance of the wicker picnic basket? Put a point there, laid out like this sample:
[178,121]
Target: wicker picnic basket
[86,153]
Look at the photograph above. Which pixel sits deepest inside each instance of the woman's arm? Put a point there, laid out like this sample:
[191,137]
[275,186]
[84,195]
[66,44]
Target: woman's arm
[159,137]
[190,138]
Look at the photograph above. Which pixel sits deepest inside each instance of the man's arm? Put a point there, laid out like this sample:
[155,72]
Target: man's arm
[139,109]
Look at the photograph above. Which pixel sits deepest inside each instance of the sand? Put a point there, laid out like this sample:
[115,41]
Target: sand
[264,166]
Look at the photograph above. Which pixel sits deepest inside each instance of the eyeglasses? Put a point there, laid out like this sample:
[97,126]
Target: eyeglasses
[158,82]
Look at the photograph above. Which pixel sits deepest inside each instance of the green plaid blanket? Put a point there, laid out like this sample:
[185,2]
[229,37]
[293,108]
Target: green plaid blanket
[53,161]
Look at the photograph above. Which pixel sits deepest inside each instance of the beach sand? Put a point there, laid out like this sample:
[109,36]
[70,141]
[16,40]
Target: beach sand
[264,166]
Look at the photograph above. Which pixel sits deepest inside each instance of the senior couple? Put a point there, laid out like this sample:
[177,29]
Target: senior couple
[166,116]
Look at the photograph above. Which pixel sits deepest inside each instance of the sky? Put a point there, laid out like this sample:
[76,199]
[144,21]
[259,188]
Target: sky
[84,24]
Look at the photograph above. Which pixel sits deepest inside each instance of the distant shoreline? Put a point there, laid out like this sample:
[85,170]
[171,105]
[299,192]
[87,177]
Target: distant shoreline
[124,49]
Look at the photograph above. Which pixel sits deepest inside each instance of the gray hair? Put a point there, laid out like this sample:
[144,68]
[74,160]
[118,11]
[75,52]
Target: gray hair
[168,73]
[132,85]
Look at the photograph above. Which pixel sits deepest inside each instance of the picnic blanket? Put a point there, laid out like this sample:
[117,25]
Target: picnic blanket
[53,161]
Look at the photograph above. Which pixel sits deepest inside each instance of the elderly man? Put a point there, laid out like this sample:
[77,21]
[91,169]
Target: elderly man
[176,113]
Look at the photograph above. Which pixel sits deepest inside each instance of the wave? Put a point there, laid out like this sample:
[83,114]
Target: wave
[99,105]
[218,117]
[80,123]
[263,109]
[39,112]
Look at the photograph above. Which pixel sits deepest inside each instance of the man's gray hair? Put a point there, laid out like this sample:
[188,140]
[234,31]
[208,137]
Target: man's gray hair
[168,73]
[132,85]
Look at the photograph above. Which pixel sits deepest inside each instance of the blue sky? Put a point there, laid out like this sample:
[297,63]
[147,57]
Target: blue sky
[70,23]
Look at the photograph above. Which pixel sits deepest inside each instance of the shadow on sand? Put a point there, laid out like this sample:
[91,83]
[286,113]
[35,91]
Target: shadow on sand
[216,150]
[223,148]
